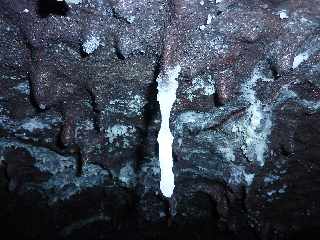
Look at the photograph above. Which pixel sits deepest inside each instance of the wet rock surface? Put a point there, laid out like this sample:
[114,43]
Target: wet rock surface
[79,119]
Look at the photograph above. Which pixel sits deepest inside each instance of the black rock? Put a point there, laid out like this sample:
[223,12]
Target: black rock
[79,119]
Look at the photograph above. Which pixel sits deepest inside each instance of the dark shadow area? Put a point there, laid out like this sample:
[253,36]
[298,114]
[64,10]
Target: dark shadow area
[311,233]
[150,111]
[83,54]
[54,7]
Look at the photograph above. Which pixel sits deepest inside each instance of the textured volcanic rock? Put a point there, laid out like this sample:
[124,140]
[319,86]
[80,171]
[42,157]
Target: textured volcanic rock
[79,119]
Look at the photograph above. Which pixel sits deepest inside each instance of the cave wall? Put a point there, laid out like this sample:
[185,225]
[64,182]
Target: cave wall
[79,119]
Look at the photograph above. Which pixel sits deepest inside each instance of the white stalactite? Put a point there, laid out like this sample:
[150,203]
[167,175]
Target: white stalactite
[167,87]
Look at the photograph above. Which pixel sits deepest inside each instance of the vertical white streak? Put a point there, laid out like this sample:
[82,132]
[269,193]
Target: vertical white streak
[209,19]
[167,87]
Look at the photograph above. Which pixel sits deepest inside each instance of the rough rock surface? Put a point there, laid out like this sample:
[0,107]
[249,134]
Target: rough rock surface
[79,119]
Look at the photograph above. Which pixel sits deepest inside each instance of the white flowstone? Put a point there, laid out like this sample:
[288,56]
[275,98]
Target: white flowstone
[91,44]
[249,178]
[23,88]
[238,175]
[127,174]
[209,19]
[131,19]
[200,86]
[256,127]
[167,87]
[34,124]
[283,14]
[72,1]
[300,58]
[119,131]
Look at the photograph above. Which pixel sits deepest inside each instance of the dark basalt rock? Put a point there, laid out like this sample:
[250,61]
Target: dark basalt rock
[79,119]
